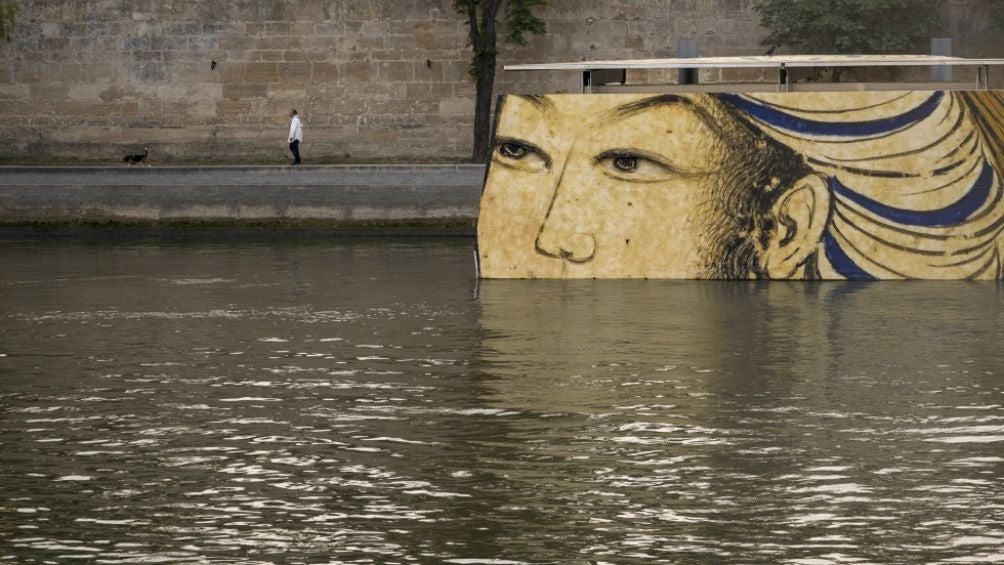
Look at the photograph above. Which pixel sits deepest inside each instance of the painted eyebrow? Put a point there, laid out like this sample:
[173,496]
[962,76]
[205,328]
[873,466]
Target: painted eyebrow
[632,108]
[542,103]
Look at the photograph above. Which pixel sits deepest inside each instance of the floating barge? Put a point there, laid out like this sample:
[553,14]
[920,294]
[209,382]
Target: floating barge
[777,179]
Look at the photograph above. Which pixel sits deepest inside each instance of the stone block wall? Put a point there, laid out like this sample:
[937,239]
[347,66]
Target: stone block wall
[377,81]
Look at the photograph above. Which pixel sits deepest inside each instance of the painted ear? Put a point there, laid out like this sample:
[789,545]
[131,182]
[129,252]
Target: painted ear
[800,217]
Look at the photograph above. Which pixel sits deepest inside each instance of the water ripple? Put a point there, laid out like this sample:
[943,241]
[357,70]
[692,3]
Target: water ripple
[351,403]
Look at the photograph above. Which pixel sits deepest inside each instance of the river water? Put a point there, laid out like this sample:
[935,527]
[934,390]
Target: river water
[367,401]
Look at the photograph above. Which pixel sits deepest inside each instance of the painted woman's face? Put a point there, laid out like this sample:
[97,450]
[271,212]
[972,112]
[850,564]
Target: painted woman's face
[600,186]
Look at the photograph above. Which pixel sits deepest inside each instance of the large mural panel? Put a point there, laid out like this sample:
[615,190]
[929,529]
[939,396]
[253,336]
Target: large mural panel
[841,185]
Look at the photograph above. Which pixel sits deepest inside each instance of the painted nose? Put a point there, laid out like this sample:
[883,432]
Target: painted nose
[571,246]
[561,236]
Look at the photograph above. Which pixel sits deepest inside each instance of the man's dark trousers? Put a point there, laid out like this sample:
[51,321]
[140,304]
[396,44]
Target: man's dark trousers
[295,148]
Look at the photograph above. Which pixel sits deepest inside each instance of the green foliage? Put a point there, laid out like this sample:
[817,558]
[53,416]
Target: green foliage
[482,21]
[522,20]
[7,12]
[846,27]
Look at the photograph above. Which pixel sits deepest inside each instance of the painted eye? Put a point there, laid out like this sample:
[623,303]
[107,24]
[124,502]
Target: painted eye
[520,155]
[634,166]
[626,164]
[513,150]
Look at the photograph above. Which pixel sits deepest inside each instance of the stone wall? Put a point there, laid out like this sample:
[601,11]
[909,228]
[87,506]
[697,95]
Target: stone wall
[373,80]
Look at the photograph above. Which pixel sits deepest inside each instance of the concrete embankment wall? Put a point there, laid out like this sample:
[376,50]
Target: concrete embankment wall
[412,195]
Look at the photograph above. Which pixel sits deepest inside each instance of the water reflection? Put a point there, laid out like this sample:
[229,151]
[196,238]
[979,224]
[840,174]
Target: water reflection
[757,422]
[350,402]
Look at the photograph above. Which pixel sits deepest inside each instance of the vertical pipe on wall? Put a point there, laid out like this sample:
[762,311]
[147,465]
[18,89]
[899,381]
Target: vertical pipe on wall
[687,49]
[941,46]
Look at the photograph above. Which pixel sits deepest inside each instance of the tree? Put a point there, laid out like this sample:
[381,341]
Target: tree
[847,27]
[7,12]
[482,21]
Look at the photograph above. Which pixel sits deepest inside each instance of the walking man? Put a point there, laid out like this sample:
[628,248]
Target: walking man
[295,136]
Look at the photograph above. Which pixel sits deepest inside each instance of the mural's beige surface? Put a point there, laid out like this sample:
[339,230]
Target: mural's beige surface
[863,185]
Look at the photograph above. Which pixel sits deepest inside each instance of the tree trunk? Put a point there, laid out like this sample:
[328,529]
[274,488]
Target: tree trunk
[485,88]
[483,37]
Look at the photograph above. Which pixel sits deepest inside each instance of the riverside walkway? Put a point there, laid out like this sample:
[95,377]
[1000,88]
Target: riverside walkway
[341,195]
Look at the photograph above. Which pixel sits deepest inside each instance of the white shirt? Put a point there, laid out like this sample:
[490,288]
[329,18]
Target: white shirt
[295,129]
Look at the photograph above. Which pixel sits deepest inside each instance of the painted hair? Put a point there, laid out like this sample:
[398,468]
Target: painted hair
[757,171]
[914,177]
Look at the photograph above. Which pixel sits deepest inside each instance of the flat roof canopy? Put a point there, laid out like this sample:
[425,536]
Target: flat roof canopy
[766,62]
